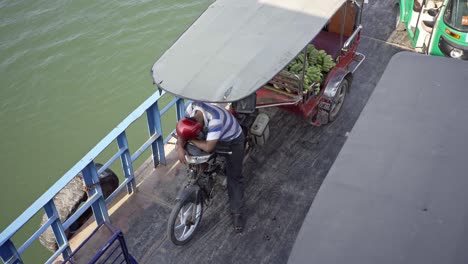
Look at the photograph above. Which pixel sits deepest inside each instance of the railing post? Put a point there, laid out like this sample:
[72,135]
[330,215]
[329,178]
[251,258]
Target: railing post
[57,228]
[126,159]
[9,254]
[155,127]
[91,180]
[180,108]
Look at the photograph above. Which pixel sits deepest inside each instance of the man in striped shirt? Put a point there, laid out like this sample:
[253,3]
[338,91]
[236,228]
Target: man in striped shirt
[221,128]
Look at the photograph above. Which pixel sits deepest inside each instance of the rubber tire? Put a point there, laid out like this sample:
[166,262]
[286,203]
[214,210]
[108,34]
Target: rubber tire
[173,218]
[69,199]
[108,180]
[67,202]
[344,84]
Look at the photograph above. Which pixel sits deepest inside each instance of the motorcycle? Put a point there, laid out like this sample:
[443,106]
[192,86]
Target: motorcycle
[206,172]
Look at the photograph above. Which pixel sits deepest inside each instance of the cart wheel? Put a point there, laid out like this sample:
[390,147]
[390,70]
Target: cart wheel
[184,220]
[338,100]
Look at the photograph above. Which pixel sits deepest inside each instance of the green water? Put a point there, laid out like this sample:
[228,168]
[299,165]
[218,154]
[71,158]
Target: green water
[69,72]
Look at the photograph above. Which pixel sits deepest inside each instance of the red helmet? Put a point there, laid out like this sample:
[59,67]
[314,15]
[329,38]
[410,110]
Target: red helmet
[187,129]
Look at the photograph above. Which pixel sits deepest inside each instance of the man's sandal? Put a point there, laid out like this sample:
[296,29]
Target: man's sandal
[238,222]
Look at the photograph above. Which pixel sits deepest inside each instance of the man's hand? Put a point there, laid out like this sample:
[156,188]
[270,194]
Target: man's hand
[181,151]
[181,155]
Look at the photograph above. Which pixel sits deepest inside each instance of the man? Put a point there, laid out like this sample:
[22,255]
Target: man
[221,128]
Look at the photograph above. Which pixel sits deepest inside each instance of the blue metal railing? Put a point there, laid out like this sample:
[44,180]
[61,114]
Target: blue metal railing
[9,253]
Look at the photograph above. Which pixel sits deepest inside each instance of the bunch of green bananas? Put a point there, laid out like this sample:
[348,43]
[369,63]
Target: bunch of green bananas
[313,74]
[312,55]
[327,63]
[317,65]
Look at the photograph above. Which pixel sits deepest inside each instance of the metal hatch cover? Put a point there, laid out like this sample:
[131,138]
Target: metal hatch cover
[236,46]
[397,191]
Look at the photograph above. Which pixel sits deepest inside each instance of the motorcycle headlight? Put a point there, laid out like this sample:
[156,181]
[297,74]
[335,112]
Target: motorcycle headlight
[197,159]
[456,53]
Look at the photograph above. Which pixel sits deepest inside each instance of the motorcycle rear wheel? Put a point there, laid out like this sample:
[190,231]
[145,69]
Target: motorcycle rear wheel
[184,220]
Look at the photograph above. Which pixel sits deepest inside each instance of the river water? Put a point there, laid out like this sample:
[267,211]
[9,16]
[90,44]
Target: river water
[70,71]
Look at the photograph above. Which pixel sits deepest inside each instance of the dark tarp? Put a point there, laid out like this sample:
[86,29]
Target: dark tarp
[398,190]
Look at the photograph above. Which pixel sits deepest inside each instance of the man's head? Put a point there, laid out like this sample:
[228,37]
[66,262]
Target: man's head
[198,114]
[188,128]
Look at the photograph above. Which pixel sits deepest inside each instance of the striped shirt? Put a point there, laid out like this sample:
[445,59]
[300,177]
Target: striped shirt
[220,124]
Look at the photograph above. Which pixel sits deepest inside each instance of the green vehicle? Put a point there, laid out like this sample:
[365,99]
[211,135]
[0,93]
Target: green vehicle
[435,27]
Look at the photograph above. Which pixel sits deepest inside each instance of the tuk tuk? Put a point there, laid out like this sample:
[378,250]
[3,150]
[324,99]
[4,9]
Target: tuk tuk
[251,54]
[435,27]
[298,54]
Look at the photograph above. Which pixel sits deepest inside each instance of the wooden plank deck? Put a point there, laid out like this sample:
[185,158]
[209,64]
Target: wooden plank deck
[282,178]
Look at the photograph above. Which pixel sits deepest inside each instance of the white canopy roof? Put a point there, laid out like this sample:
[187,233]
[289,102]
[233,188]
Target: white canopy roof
[236,46]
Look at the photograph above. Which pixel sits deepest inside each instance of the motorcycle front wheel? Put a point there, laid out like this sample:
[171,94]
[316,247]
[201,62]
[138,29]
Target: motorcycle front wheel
[184,220]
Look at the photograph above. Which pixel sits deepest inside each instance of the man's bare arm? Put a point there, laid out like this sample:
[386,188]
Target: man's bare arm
[180,149]
[207,146]
[180,143]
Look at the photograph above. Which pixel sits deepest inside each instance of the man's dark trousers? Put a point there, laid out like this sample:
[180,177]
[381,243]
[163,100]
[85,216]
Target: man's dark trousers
[235,178]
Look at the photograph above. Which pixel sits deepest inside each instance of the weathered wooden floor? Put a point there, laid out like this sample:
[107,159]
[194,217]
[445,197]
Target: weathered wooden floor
[282,178]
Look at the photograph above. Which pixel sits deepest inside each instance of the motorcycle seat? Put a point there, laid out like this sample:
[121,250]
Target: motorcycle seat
[192,150]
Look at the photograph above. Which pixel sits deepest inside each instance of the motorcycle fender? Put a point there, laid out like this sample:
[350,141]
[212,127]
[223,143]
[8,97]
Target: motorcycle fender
[334,82]
[191,192]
